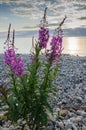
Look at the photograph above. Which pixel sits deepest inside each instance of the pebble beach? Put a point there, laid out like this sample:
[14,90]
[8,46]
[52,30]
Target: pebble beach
[70,103]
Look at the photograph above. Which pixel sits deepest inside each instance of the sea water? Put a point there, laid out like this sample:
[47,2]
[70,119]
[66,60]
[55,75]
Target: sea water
[71,45]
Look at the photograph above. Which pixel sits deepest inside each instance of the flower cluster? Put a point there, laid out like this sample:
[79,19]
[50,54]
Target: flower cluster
[9,56]
[43,37]
[56,48]
[43,32]
[16,63]
[17,66]
[56,41]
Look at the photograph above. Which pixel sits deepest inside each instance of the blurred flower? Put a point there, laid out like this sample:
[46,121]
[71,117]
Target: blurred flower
[56,48]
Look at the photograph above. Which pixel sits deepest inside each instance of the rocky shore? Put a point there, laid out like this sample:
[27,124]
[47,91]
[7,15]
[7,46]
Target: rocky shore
[70,104]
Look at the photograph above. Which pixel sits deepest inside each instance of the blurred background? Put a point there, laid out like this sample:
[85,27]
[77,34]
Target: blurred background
[25,16]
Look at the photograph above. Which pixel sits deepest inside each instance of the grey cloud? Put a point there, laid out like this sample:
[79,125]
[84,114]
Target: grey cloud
[51,25]
[82,18]
[30,27]
[81,8]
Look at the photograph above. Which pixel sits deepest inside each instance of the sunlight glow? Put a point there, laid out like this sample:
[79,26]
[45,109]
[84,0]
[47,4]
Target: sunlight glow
[73,44]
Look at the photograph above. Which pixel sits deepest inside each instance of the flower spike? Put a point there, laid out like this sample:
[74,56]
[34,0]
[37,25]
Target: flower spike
[43,32]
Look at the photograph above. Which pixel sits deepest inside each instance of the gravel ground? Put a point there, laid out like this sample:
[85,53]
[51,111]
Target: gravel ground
[70,103]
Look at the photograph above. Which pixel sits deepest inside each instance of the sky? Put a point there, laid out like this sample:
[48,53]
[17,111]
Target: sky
[25,15]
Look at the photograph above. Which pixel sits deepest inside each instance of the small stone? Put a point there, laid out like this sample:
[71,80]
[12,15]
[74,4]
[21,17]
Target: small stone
[81,113]
[84,64]
[84,108]
[51,126]
[59,125]
[76,107]
[84,121]
[71,126]
[78,99]
[0,128]
[70,114]
[4,129]
[84,128]
[76,119]
[64,112]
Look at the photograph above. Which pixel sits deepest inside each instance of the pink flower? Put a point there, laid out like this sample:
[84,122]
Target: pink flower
[9,55]
[43,32]
[56,48]
[43,37]
[18,67]
[16,63]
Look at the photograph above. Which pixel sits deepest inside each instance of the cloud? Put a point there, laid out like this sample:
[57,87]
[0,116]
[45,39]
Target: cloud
[2,1]
[75,10]
[82,18]
[2,18]
[67,32]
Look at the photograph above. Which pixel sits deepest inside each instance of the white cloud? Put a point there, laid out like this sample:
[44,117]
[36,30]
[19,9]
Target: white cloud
[33,9]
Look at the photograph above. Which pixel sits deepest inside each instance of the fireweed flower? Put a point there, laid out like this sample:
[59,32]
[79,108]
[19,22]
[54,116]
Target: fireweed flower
[43,32]
[56,44]
[18,67]
[55,48]
[15,63]
[43,37]
[9,55]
